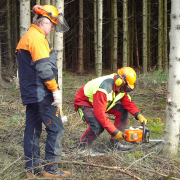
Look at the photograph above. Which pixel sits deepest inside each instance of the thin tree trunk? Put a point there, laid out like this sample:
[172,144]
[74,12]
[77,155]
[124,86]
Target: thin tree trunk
[172,124]
[115,37]
[165,37]
[145,43]
[100,26]
[132,36]
[95,37]
[24,16]
[0,64]
[136,38]
[80,41]
[42,2]
[149,35]
[112,34]
[74,44]
[15,42]
[160,35]
[9,48]
[52,32]
[38,2]
[58,47]
[48,37]
[125,33]
[88,45]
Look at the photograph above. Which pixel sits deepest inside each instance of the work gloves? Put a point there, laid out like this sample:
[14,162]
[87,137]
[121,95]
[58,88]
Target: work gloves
[142,119]
[57,98]
[119,135]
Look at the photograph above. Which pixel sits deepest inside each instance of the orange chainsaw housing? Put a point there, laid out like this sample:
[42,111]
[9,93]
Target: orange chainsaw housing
[133,134]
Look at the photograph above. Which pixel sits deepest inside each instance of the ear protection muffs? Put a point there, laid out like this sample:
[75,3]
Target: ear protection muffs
[119,81]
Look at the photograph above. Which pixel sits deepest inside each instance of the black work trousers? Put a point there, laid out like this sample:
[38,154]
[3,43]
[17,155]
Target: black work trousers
[36,114]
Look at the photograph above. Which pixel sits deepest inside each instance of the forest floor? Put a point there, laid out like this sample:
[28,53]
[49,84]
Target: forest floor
[143,162]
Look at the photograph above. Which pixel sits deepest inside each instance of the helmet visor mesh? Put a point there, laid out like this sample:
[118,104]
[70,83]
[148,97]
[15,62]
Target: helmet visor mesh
[62,24]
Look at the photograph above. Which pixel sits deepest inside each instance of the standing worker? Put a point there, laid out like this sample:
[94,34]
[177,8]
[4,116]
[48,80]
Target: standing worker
[38,75]
[107,94]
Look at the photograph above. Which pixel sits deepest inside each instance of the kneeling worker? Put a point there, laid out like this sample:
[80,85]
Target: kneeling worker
[107,94]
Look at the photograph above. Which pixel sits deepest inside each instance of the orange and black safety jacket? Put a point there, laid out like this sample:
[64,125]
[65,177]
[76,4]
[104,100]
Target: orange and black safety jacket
[100,95]
[38,73]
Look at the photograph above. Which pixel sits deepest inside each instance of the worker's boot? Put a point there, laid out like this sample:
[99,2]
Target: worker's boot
[34,173]
[56,173]
[117,145]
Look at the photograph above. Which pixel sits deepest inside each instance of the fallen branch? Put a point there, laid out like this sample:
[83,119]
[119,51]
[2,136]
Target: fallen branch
[139,160]
[102,166]
[10,165]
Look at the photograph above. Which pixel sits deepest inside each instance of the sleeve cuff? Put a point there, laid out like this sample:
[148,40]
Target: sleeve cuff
[115,132]
[136,114]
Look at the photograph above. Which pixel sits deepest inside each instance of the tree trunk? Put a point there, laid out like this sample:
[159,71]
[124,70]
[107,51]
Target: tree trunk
[0,64]
[172,124]
[48,37]
[52,32]
[145,44]
[125,33]
[58,47]
[136,38]
[100,20]
[149,35]
[15,42]
[24,16]
[80,41]
[131,58]
[9,48]
[115,44]
[95,37]
[165,37]
[160,35]
[112,34]
[38,2]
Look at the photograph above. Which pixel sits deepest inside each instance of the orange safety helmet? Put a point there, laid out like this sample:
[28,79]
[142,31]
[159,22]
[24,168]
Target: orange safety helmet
[128,75]
[53,15]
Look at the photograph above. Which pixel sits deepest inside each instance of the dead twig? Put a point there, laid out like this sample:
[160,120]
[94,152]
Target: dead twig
[102,166]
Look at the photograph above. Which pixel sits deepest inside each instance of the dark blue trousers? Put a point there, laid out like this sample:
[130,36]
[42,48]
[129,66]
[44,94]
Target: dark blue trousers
[36,114]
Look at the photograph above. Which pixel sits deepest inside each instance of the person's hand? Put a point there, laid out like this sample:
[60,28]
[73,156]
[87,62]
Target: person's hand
[142,119]
[57,98]
[119,135]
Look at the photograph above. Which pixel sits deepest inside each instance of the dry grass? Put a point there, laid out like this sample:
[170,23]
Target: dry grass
[143,162]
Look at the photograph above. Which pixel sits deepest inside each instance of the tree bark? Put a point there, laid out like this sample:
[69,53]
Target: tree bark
[136,38]
[24,16]
[95,37]
[80,40]
[172,124]
[145,43]
[165,37]
[58,47]
[160,35]
[125,33]
[100,26]
[115,44]
[9,48]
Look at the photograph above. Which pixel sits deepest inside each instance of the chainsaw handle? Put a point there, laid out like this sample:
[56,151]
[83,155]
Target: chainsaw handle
[144,131]
[124,136]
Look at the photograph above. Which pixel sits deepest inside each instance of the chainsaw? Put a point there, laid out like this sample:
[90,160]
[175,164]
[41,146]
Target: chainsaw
[137,134]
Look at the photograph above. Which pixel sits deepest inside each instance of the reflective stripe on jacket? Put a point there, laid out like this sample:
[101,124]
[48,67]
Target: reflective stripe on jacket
[37,66]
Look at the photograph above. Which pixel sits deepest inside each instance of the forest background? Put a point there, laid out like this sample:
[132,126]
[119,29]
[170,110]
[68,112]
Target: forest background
[137,36]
